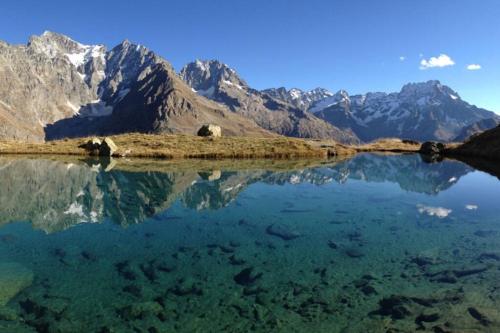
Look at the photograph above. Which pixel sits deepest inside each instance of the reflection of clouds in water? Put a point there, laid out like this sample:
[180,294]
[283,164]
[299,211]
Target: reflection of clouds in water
[440,212]
[471,207]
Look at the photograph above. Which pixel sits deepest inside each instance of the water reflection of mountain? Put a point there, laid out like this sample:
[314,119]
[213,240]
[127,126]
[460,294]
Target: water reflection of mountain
[409,171]
[54,195]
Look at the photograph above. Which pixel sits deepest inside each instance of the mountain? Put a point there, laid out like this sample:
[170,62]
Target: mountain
[476,128]
[420,111]
[484,145]
[297,97]
[55,87]
[219,82]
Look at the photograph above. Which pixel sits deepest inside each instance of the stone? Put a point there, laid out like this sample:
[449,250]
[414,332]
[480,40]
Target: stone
[282,231]
[107,148]
[394,306]
[479,316]
[354,253]
[432,148]
[247,276]
[92,146]
[14,278]
[210,130]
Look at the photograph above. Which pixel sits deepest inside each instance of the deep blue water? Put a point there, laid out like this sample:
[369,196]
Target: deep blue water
[372,244]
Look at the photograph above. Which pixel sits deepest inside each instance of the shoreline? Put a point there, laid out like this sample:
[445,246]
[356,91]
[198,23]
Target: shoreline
[135,145]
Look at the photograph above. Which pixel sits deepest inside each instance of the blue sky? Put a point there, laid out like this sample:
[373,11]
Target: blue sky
[355,45]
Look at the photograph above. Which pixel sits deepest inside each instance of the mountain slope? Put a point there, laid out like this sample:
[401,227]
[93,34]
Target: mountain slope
[486,145]
[39,85]
[55,87]
[222,84]
[420,111]
[476,128]
[168,106]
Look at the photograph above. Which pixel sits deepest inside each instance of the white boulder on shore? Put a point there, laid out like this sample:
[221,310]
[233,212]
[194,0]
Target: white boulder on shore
[210,130]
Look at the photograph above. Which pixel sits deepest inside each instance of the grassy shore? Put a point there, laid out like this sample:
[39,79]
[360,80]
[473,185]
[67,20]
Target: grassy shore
[184,146]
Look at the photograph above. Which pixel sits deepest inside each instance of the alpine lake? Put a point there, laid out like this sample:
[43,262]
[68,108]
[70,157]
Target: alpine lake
[376,243]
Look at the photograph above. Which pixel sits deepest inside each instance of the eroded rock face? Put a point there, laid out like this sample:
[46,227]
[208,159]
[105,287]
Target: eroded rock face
[13,278]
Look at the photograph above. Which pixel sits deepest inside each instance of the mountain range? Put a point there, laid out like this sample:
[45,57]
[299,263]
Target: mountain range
[55,87]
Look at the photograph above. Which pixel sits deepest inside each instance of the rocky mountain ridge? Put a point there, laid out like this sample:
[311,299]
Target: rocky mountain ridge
[219,82]
[420,111]
[55,87]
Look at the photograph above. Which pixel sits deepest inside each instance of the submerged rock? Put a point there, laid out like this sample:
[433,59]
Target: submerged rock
[480,317]
[247,276]
[282,231]
[394,306]
[13,278]
[354,253]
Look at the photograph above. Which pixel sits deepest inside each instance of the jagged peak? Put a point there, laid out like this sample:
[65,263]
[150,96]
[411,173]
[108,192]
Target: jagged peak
[341,94]
[210,65]
[199,72]
[320,90]
[428,88]
[421,85]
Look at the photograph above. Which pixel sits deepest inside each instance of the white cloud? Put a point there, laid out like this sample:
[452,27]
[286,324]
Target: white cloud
[474,67]
[402,58]
[434,211]
[442,61]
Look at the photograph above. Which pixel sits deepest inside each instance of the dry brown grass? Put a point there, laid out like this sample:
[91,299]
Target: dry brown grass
[389,145]
[185,146]
[178,146]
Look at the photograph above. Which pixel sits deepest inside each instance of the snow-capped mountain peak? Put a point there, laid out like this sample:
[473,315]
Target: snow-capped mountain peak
[297,97]
[423,111]
[88,60]
[208,76]
[340,97]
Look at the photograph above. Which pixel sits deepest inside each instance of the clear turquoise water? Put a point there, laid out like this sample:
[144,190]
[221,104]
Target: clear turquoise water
[372,244]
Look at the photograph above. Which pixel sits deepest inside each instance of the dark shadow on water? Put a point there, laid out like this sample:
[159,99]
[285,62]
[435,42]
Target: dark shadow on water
[482,164]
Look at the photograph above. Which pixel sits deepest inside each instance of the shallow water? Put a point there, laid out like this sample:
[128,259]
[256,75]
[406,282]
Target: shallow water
[372,244]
